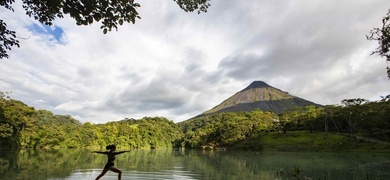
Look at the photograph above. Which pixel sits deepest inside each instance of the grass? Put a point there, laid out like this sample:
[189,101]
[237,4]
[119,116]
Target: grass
[305,141]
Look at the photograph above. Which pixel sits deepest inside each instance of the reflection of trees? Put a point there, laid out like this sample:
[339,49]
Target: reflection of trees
[40,164]
[45,164]
[260,165]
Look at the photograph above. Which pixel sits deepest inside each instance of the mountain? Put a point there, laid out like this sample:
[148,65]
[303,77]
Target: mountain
[259,95]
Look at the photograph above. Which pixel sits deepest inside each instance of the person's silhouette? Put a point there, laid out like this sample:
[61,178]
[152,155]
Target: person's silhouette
[110,161]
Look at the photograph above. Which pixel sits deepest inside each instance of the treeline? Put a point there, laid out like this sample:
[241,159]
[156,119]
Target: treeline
[226,129]
[355,117]
[22,126]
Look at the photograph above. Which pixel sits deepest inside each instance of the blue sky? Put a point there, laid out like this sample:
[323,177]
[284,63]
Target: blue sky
[55,31]
[177,65]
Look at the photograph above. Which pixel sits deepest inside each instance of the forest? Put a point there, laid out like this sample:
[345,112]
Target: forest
[22,126]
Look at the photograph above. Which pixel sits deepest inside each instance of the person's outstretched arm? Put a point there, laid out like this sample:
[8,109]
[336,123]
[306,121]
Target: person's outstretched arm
[99,152]
[120,152]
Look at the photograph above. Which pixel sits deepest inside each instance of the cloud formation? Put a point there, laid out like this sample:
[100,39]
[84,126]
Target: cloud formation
[178,65]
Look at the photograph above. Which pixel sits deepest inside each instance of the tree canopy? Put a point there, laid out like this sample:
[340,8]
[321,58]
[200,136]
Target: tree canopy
[382,35]
[22,126]
[110,13]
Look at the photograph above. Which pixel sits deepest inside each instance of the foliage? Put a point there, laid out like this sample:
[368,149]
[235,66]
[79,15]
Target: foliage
[225,129]
[14,118]
[8,38]
[382,35]
[357,118]
[84,12]
[22,126]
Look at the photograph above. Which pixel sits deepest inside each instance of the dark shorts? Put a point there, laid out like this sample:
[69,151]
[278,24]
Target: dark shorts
[108,165]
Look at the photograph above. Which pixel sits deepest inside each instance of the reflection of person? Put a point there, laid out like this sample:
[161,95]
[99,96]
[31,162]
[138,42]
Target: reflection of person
[110,161]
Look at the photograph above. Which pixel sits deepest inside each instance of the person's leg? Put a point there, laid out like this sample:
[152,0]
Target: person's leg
[102,174]
[114,169]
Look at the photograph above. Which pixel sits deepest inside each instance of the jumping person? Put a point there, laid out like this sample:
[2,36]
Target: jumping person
[110,161]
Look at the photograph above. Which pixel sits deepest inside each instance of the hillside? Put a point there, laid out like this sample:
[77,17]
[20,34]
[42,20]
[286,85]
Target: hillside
[259,95]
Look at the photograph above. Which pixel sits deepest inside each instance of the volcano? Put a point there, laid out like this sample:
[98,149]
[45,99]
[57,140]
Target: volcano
[259,95]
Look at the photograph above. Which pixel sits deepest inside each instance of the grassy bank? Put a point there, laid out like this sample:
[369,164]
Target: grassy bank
[305,141]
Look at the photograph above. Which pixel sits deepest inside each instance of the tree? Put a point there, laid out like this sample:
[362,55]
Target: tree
[8,38]
[310,117]
[353,112]
[382,35]
[111,13]
[331,112]
[14,117]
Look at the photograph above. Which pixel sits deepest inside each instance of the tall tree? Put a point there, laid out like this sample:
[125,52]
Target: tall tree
[111,13]
[353,113]
[14,116]
[382,35]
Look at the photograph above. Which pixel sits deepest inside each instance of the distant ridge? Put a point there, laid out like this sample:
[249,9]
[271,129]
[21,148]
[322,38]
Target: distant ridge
[259,95]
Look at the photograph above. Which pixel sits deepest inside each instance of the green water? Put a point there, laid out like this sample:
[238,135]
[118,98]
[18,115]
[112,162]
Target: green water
[76,164]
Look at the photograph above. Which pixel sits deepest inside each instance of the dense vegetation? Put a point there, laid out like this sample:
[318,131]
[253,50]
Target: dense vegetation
[22,126]
[357,118]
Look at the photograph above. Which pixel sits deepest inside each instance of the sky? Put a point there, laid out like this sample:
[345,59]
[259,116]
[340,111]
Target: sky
[177,65]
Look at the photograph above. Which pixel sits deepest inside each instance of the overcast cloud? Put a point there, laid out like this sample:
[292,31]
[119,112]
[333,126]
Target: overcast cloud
[178,65]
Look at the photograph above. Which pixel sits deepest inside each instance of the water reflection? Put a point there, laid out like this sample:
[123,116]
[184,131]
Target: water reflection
[93,173]
[173,164]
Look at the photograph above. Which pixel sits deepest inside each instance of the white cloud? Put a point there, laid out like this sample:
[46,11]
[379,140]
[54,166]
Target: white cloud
[178,65]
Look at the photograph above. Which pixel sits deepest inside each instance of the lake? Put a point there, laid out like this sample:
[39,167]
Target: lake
[78,164]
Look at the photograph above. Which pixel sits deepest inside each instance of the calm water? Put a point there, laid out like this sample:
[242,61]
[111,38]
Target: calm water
[173,164]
